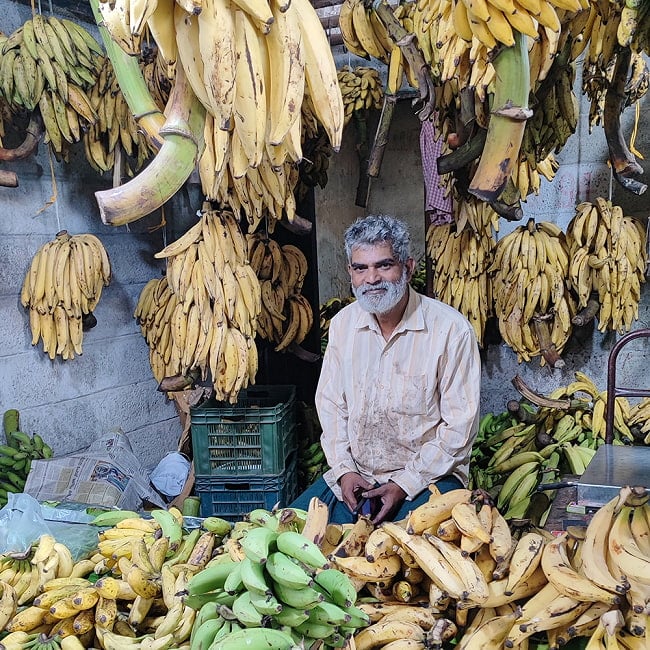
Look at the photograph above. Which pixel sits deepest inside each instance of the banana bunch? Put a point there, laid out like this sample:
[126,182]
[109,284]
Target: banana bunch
[27,575]
[286,316]
[313,167]
[62,288]
[461,260]
[230,73]
[16,459]
[554,119]
[275,588]
[327,311]
[363,32]
[608,255]
[203,314]
[264,193]
[311,462]
[639,418]
[50,63]
[361,88]
[114,126]
[529,270]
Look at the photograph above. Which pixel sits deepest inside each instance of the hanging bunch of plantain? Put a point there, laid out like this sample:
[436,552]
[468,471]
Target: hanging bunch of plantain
[227,52]
[115,126]
[50,64]
[286,316]
[608,256]
[461,259]
[202,316]
[62,288]
[532,301]
[361,88]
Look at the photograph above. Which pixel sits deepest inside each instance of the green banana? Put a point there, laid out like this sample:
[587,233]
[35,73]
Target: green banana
[359,618]
[263,517]
[10,419]
[253,577]
[338,586]
[315,630]
[234,583]
[258,542]
[170,526]
[512,482]
[204,633]
[217,597]
[245,612]
[285,571]
[290,616]
[217,525]
[302,549]
[112,517]
[304,598]
[265,604]
[255,638]
[515,461]
[327,613]
[210,578]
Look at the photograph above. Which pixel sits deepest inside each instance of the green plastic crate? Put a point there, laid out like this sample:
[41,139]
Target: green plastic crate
[252,437]
[232,498]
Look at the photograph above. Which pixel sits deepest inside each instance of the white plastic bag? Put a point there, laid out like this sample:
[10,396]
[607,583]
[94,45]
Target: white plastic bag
[170,475]
[21,523]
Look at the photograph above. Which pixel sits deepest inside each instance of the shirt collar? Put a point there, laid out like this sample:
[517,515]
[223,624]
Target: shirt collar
[412,319]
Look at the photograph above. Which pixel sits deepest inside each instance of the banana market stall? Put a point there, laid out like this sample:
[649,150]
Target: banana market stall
[453,574]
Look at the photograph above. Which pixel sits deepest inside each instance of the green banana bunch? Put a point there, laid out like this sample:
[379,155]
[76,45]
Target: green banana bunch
[50,63]
[281,583]
[17,454]
[311,463]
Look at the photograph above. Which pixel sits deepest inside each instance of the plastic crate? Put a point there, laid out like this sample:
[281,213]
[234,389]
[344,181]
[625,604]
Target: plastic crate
[232,498]
[252,437]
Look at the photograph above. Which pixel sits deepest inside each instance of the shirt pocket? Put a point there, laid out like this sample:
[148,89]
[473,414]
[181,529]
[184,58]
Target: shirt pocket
[408,394]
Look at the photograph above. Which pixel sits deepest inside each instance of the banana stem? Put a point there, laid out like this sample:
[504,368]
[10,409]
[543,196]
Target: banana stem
[183,143]
[507,121]
[132,84]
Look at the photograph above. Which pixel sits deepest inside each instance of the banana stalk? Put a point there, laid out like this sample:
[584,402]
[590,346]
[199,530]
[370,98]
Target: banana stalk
[507,121]
[183,143]
[132,84]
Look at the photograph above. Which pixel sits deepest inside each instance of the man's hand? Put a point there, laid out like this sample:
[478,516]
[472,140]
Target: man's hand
[390,495]
[352,485]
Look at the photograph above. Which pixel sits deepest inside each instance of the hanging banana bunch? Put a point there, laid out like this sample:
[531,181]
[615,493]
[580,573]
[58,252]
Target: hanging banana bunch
[61,290]
[50,64]
[479,216]
[533,305]
[115,126]
[286,316]
[460,260]
[361,88]
[227,51]
[203,315]
[608,255]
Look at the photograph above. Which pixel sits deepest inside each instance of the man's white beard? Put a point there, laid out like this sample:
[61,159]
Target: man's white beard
[381,303]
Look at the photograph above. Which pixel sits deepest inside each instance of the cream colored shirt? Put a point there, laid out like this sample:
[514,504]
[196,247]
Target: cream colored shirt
[405,409]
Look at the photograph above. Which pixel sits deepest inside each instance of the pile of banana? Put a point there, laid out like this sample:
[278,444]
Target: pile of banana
[286,316]
[639,417]
[608,256]
[516,452]
[62,288]
[461,260]
[17,454]
[51,63]
[114,125]
[255,123]
[203,314]
[274,586]
[361,88]
[529,271]
[316,160]
[363,33]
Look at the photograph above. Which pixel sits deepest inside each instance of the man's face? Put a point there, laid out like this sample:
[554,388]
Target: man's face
[379,281]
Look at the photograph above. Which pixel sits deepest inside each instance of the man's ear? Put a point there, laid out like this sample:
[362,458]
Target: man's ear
[410,266]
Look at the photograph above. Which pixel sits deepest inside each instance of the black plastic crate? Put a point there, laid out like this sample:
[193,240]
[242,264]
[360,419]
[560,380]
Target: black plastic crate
[231,498]
[252,437]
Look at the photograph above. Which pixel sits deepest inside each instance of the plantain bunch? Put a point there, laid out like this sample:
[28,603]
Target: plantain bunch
[265,193]
[461,259]
[286,316]
[608,256]
[115,125]
[361,88]
[51,63]
[201,317]
[62,288]
[533,303]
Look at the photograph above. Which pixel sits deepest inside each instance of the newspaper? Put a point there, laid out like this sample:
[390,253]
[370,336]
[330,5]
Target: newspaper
[106,474]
